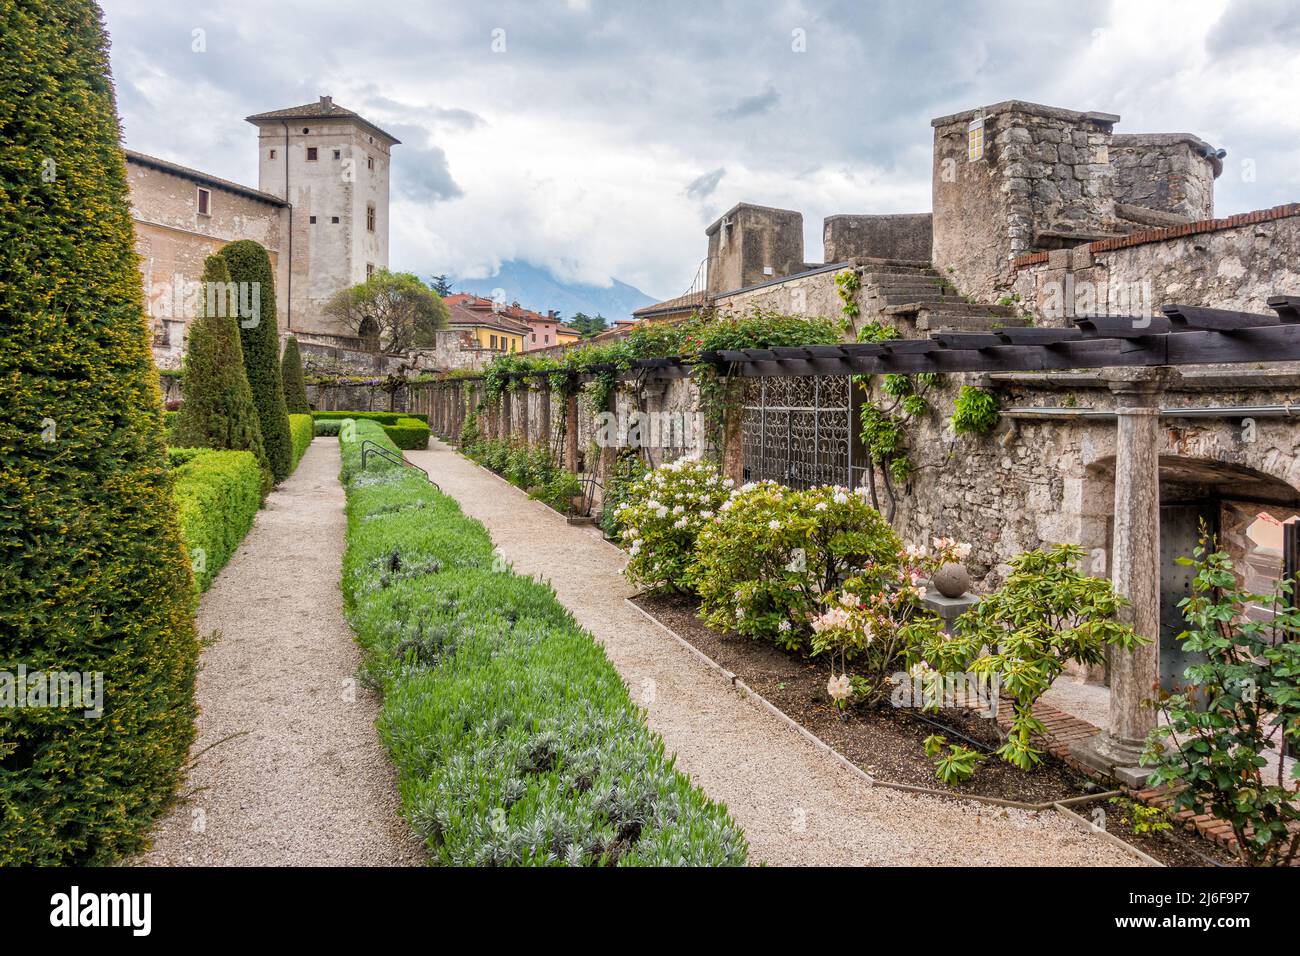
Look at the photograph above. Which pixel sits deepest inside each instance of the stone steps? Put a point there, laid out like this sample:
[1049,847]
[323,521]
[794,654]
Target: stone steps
[951,304]
[943,321]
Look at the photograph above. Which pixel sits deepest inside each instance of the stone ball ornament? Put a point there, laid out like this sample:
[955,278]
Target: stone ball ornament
[952,580]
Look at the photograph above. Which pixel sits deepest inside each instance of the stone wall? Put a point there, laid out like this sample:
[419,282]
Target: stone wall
[1171,172]
[811,294]
[750,244]
[905,236]
[1044,179]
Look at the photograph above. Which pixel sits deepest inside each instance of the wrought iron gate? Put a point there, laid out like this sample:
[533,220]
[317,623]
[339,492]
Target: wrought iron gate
[799,430]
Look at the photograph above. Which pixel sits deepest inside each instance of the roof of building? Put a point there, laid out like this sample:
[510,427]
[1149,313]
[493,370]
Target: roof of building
[324,108]
[206,179]
[459,315]
[682,303]
[514,311]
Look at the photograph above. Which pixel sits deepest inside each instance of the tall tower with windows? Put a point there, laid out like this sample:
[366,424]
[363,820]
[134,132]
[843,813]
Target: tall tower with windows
[331,166]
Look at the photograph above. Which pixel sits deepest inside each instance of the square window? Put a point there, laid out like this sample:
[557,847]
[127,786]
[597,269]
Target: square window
[312,220]
[334,220]
[338,153]
[205,202]
[311,154]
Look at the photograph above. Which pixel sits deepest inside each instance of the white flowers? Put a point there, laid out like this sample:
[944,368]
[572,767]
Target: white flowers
[774,525]
[840,688]
[783,626]
[834,617]
[840,498]
[848,600]
[678,509]
[680,524]
[960,550]
[820,506]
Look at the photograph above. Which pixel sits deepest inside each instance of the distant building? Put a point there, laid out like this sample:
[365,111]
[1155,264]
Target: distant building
[490,329]
[320,209]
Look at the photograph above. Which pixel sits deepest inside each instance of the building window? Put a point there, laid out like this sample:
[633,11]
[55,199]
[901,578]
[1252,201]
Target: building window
[494,341]
[370,217]
[312,220]
[338,153]
[370,162]
[334,220]
[370,269]
[273,154]
[311,154]
[205,202]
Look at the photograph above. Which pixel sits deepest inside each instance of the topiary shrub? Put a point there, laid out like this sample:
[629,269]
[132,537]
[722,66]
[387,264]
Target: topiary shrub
[295,389]
[93,576]
[218,411]
[301,431]
[217,495]
[408,433]
[328,426]
[765,563]
[249,263]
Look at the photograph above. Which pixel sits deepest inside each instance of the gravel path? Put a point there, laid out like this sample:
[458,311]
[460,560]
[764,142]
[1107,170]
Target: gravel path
[296,774]
[797,805]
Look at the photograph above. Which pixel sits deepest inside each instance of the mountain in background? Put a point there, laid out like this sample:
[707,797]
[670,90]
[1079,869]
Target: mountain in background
[535,288]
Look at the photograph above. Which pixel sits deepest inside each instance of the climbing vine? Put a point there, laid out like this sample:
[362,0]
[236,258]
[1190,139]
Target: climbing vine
[847,284]
[976,411]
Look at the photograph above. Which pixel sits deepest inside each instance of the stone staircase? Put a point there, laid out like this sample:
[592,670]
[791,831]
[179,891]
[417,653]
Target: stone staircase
[915,298]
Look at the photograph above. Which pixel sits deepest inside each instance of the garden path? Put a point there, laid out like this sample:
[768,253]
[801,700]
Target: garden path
[295,773]
[797,805]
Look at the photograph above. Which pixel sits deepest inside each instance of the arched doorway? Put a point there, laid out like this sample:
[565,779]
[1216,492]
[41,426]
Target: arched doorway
[1242,508]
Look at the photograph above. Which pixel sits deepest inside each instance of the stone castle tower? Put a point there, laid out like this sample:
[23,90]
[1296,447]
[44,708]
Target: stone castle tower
[332,166]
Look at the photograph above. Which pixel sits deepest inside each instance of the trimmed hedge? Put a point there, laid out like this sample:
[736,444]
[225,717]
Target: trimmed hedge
[408,433]
[217,495]
[514,738]
[383,418]
[328,426]
[93,577]
[301,432]
[295,389]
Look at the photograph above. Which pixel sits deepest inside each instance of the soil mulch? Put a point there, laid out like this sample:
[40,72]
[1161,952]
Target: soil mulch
[887,742]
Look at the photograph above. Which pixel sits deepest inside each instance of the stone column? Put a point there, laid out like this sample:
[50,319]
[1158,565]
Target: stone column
[1135,571]
[506,433]
[544,414]
[571,432]
[525,396]
[732,451]
[609,452]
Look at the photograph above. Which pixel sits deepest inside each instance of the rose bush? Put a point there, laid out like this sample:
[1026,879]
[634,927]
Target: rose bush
[665,511]
[764,563]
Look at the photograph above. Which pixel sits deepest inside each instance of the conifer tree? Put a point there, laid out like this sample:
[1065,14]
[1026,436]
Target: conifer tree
[295,389]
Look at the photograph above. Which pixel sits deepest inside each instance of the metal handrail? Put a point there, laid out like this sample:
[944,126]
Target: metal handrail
[369,447]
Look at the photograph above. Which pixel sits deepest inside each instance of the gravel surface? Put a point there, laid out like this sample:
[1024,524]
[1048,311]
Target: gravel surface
[797,805]
[296,774]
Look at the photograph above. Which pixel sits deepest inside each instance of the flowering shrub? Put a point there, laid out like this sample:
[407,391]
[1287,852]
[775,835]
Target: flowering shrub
[665,511]
[764,563]
[876,622]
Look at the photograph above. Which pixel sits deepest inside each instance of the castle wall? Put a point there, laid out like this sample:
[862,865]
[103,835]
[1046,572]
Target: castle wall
[751,244]
[1169,172]
[905,236]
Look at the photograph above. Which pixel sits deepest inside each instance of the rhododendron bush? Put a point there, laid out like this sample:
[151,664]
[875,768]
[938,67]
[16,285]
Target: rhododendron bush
[665,511]
[765,563]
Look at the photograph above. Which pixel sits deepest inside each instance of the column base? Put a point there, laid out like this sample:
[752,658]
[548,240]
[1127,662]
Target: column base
[1113,756]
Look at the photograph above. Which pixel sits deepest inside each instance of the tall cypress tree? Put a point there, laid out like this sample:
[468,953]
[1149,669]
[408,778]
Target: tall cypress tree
[295,389]
[250,267]
[93,574]
[218,410]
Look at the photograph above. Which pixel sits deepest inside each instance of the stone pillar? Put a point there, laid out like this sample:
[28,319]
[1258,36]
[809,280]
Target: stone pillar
[506,432]
[544,414]
[732,451]
[609,451]
[525,396]
[571,432]
[1135,572]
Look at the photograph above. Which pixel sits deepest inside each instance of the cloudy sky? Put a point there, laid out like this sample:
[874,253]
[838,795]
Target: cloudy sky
[598,138]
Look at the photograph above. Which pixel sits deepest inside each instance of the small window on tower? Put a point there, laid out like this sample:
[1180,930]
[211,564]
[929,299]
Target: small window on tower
[370,217]
[273,154]
[312,220]
[205,202]
[370,269]
[311,154]
[334,220]
[975,139]
[338,153]
[370,162]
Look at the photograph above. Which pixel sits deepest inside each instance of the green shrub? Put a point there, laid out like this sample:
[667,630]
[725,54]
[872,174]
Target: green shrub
[218,411]
[301,431]
[295,389]
[93,576]
[665,511]
[559,490]
[180,456]
[217,495]
[249,263]
[764,565]
[383,418]
[976,411]
[514,738]
[328,426]
[627,471]
[408,433]
[1240,704]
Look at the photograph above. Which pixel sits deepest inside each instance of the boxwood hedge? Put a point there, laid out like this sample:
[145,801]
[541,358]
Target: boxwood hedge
[383,418]
[301,431]
[515,740]
[217,495]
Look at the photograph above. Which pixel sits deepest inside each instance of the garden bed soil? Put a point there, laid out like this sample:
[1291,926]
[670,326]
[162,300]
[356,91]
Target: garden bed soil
[888,743]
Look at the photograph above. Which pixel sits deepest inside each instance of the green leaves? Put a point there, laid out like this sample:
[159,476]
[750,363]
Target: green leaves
[1239,704]
[976,411]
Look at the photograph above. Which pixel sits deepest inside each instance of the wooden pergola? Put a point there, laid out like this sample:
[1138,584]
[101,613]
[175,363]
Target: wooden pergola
[1137,354]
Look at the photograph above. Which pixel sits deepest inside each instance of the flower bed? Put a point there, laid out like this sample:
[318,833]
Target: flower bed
[514,738]
[217,495]
[532,469]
